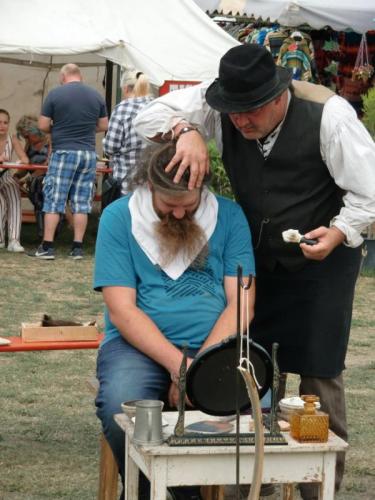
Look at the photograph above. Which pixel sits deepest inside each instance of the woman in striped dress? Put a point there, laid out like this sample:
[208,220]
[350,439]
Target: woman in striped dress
[10,198]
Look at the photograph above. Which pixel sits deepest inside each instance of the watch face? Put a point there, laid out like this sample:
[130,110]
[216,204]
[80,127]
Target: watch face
[214,384]
[186,129]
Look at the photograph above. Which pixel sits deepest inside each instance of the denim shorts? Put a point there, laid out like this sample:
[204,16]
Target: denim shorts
[70,176]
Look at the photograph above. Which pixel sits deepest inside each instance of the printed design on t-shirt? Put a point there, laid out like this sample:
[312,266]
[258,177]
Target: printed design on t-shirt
[193,282]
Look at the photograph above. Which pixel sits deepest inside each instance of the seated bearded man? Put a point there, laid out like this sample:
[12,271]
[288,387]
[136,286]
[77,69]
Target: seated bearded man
[166,263]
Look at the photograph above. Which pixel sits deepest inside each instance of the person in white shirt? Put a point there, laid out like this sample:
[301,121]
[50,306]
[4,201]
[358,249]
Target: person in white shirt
[297,158]
[121,143]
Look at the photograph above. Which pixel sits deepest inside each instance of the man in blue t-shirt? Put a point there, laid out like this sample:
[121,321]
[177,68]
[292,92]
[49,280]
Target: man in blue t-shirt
[166,263]
[72,113]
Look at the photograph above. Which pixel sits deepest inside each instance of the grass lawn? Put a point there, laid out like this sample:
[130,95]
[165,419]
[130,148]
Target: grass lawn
[49,431]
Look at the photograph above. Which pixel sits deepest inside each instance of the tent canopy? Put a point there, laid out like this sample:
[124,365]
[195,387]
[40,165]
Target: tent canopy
[166,40]
[340,15]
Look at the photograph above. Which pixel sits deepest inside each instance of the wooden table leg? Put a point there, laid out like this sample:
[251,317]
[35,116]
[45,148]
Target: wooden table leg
[206,492]
[288,491]
[131,475]
[212,492]
[108,476]
[328,483]
[158,479]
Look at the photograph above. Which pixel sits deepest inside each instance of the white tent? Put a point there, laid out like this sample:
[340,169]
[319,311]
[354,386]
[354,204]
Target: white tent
[168,40]
[340,15]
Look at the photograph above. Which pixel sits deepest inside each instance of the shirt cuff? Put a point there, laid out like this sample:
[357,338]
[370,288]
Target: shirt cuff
[353,238]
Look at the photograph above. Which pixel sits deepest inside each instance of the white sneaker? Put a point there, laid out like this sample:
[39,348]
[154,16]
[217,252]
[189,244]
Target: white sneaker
[4,341]
[14,246]
[2,244]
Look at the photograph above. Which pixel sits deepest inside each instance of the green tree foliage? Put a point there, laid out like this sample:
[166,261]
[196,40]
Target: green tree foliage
[369,111]
[219,181]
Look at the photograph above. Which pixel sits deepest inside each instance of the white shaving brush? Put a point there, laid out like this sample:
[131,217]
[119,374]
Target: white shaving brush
[294,236]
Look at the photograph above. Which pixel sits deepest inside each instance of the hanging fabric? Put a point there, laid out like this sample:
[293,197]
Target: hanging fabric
[296,55]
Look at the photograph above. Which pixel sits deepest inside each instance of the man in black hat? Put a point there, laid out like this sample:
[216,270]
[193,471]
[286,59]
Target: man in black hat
[297,158]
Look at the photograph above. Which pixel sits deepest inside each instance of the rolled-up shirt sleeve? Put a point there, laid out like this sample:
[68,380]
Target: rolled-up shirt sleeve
[346,148]
[349,152]
[189,105]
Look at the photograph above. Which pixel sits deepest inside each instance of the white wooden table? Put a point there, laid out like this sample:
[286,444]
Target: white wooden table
[168,466]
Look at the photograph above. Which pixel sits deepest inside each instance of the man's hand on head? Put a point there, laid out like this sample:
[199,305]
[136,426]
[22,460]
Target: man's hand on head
[192,153]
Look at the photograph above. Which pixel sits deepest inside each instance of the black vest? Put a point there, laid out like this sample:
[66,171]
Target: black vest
[291,189]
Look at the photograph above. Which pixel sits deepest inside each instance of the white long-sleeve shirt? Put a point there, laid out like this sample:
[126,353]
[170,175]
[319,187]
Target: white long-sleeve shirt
[345,145]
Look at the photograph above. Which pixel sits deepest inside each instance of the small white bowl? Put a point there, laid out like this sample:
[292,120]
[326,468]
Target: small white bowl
[289,405]
[129,408]
[294,403]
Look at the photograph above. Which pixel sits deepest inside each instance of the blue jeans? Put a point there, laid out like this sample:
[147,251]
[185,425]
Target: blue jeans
[125,374]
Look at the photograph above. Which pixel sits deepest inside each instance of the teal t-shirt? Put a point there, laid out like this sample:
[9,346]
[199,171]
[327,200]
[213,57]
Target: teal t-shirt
[186,309]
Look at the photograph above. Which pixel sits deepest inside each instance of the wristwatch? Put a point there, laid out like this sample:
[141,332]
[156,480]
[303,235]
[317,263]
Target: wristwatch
[186,129]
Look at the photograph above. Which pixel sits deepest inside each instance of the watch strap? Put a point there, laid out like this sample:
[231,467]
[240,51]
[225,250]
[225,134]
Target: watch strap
[186,129]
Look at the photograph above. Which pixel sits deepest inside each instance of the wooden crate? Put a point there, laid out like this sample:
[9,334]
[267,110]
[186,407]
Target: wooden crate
[35,332]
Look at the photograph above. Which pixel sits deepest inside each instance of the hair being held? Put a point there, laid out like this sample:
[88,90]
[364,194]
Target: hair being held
[152,166]
[174,235]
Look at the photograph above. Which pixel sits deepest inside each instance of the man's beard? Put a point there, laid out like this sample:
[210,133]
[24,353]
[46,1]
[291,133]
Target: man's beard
[183,236]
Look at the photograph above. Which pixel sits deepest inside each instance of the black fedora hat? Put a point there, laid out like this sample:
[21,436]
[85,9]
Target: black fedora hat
[248,79]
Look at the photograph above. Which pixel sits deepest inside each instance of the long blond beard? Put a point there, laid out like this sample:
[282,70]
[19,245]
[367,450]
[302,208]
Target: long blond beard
[181,235]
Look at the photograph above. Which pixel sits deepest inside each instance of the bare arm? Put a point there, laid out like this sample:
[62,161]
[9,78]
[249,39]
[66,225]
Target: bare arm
[138,329]
[102,124]
[49,151]
[18,148]
[44,123]
[226,324]
[191,152]
[176,110]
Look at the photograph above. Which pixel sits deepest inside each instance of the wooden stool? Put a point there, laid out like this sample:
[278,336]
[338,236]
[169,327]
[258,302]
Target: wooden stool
[108,473]
[212,492]
[217,492]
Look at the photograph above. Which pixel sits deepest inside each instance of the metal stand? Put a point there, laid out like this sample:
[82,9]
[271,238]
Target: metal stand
[271,437]
[180,425]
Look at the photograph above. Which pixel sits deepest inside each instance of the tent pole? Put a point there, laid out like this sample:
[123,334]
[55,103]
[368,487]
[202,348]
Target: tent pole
[108,84]
[118,84]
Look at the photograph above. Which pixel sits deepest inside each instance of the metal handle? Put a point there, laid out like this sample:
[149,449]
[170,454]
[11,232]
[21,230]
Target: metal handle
[149,425]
